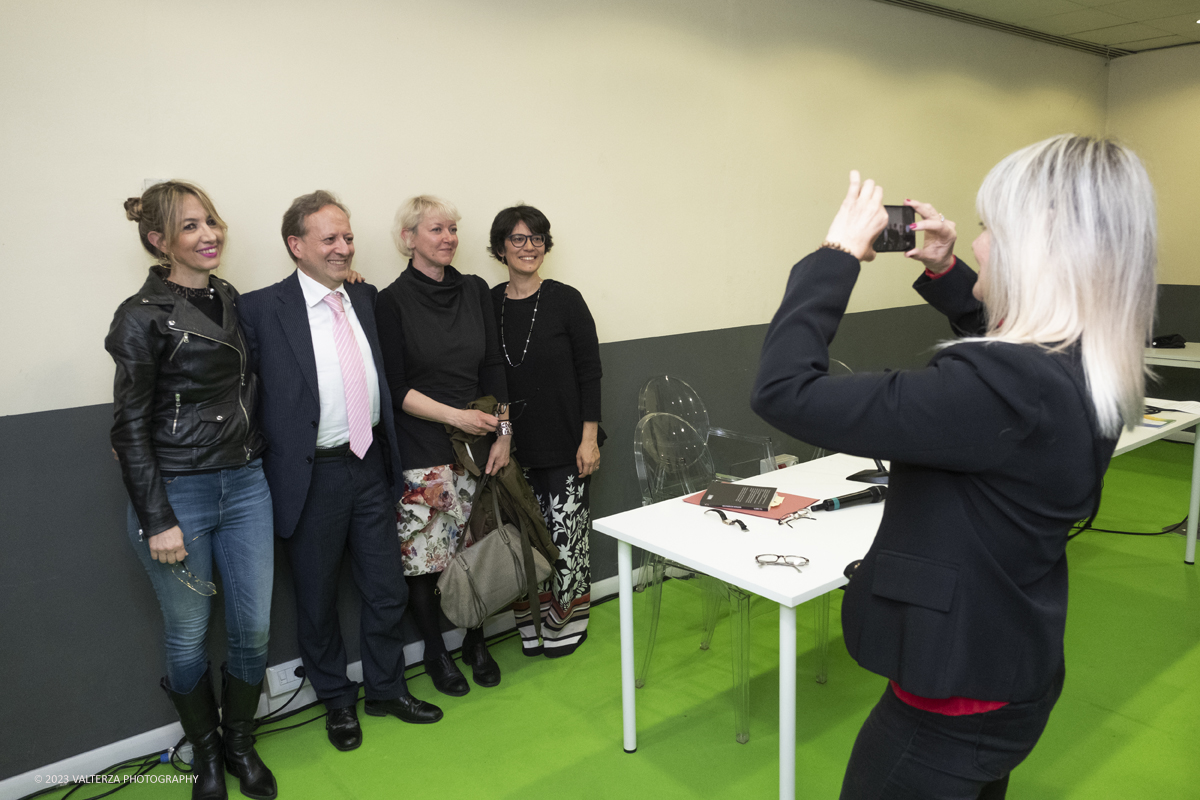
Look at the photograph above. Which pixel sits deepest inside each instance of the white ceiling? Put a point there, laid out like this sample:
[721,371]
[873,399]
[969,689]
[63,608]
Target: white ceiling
[1125,26]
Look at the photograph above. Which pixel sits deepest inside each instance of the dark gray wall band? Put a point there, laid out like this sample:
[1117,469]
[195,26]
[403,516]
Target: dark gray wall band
[80,625]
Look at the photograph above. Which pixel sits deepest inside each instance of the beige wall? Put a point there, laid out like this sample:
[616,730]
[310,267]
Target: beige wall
[1154,102]
[687,152]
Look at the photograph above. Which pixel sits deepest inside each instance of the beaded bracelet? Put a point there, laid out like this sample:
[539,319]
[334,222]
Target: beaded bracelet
[835,246]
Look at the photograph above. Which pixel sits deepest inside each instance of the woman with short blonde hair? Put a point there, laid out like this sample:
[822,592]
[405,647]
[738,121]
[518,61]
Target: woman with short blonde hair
[440,352]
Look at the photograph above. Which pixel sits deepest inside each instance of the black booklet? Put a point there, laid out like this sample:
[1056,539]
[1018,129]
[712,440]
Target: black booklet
[736,495]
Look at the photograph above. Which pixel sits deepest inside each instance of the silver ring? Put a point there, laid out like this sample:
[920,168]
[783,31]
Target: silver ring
[942,217]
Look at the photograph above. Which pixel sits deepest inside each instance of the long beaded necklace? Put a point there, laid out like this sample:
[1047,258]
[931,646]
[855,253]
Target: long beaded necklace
[503,343]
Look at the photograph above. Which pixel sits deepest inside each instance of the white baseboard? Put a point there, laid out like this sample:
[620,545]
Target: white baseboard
[91,762]
[96,761]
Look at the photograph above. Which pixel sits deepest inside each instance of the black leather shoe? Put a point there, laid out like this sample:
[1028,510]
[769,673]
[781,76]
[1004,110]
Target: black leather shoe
[341,724]
[484,669]
[446,676]
[407,708]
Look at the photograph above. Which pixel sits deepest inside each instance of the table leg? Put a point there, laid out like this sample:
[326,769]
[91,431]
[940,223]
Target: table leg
[1189,555]
[625,595]
[787,703]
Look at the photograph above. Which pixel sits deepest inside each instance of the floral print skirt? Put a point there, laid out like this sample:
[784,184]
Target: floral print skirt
[432,515]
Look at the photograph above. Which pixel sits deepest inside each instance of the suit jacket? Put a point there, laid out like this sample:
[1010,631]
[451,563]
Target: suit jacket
[275,322]
[994,456]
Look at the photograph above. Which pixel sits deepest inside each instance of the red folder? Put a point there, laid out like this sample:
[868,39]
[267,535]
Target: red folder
[790,505]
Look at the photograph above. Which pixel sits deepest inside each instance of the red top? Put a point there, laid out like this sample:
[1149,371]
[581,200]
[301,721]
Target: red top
[950,706]
[936,275]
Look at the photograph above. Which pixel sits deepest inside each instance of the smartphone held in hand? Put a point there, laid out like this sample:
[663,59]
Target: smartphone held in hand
[896,237]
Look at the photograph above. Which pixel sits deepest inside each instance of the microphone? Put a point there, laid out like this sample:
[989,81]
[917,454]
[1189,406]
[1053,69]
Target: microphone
[872,494]
[877,476]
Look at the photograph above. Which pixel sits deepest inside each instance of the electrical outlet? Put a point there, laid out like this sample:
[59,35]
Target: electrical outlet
[282,678]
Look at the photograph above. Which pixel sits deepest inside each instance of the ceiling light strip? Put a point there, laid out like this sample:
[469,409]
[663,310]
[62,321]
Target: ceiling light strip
[962,16]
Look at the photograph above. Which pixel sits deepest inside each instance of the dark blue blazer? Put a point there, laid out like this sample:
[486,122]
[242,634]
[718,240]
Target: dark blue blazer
[275,322]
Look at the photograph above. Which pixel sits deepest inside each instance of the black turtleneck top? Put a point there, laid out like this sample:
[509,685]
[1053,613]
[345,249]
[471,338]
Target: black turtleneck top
[439,339]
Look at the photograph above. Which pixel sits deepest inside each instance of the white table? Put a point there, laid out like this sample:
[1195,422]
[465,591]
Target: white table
[1187,356]
[682,533]
[1131,440]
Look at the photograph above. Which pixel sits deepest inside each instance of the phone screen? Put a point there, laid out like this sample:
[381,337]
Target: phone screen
[896,237]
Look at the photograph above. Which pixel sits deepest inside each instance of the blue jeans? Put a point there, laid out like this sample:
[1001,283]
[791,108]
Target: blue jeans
[225,517]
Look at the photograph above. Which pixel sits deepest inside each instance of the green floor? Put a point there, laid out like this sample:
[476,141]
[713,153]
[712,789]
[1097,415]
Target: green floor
[1127,726]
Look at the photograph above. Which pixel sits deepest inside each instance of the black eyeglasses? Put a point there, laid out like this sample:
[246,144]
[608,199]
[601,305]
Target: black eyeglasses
[768,559]
[518,239]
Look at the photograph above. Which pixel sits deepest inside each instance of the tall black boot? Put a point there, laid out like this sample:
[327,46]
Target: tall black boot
[198,713]
[239,704]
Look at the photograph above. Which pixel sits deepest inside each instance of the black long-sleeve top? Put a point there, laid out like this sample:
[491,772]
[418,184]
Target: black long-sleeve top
[439,339]
[994,456]
[555,386]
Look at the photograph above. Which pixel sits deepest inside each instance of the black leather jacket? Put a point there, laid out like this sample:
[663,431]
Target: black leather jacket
[183,397]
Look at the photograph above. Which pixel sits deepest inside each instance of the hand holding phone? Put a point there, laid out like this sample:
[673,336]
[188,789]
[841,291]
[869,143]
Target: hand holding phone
[897,237]
[938,237]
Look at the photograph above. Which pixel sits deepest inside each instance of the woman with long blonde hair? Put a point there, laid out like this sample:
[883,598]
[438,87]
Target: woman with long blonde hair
[190,449]
[998,448]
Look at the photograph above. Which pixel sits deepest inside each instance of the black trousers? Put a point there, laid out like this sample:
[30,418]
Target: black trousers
[349,507]
[904,753]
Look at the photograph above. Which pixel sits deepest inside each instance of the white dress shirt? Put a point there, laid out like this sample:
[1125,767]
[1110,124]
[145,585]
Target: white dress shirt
[334,429]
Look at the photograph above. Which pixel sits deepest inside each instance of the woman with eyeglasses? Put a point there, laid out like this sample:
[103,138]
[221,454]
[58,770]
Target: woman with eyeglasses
[440,353]
[552,362]
[190,451]
[998,448]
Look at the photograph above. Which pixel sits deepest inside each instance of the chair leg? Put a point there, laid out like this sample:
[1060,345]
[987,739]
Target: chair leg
[644,570]
[714,596]
[652,579]
[739,626]
[821,609]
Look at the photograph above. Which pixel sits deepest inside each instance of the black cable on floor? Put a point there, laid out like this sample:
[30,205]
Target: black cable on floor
[1178,526]
[144,764]
[496,639]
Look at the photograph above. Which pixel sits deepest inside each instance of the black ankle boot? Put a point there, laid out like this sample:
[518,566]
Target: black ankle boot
[484,669]
[198,713]
[239,704]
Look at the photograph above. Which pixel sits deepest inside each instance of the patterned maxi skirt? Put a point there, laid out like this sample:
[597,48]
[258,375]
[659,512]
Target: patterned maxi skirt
[566,597]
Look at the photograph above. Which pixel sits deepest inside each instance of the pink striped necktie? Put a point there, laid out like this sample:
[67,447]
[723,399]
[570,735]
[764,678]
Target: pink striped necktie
[354,378]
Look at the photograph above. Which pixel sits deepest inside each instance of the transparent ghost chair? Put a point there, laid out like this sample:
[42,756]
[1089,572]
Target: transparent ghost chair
[672,460]
[735,455]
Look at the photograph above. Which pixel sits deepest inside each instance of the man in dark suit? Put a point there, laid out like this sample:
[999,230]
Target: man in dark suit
[332,463]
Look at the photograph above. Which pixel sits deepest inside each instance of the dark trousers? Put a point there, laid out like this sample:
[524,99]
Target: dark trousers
[349,506]
[903,753]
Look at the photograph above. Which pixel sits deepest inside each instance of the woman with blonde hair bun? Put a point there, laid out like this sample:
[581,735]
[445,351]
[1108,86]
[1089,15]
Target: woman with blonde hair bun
[190,450]
[997,447]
